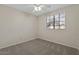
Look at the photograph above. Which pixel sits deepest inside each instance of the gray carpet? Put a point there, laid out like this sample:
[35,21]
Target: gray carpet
[38,47]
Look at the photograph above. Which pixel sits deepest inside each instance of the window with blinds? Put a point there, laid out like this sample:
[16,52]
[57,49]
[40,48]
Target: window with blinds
[56,21]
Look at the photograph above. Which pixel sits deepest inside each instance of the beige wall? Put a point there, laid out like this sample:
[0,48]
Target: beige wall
[68,36]
[16,26]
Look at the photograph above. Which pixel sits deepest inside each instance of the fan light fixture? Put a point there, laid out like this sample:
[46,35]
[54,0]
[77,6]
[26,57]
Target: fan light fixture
[37,7]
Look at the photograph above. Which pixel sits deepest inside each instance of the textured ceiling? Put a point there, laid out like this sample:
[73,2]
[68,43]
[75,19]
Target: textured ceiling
[28,8]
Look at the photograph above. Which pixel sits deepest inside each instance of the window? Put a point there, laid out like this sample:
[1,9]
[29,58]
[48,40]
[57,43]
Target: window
[56,21]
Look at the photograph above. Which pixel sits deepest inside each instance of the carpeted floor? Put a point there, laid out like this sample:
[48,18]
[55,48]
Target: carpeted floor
[38,47]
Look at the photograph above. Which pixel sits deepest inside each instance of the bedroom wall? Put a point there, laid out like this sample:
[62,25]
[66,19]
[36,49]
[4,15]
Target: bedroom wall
[68,36]
[16,26]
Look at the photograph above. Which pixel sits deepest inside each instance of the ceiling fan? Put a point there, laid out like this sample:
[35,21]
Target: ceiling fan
[38,7]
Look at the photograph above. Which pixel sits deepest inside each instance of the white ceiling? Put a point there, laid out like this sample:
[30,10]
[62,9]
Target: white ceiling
[28,8]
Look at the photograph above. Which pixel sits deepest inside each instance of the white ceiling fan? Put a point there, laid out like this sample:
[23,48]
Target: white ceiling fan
[38,7]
